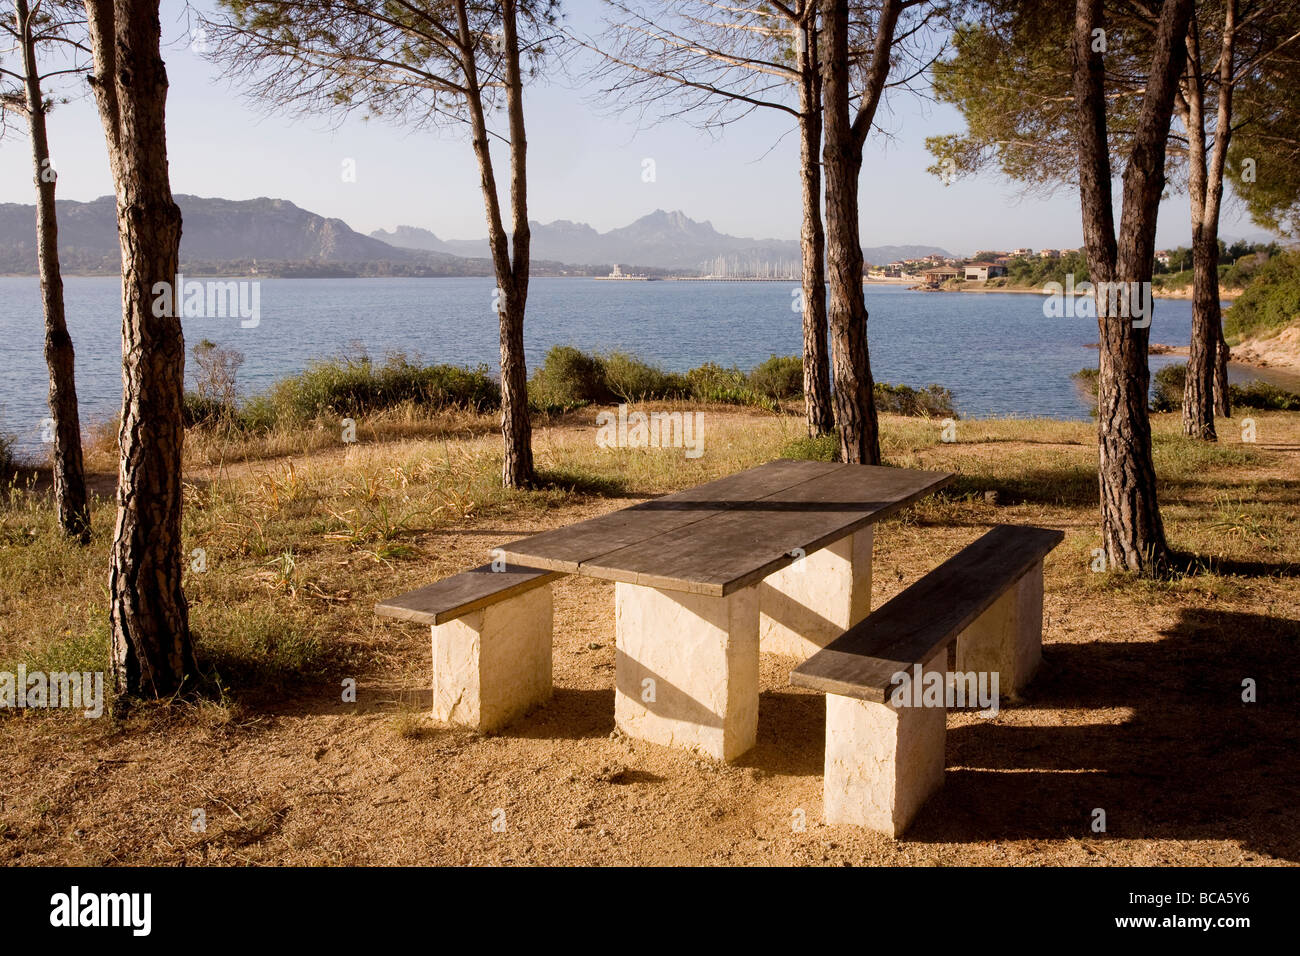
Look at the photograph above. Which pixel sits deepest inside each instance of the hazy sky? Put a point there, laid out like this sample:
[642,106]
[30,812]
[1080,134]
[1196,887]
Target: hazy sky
[584,165]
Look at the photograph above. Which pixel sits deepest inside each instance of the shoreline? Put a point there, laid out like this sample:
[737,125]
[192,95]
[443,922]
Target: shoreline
[1224,295]
[1288,372]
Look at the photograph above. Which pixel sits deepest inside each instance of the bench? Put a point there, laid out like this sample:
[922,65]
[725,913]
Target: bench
[491,642]
[885,756]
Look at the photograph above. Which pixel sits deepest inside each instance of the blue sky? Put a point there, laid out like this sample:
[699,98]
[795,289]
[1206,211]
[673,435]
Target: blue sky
[584,164]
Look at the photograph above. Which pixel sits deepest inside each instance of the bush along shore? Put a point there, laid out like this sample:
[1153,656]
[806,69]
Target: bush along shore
[354,385]
[1167,391]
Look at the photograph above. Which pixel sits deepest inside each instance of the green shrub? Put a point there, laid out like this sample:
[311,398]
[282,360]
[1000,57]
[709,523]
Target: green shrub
[711,382]
[711,378]
[1172,280]
[821,448]
[1169,383]
[348,386]
[1264,396]
[569,376]
[933,401]
[206,412]
[1035,272]
[1171,380]
[351,386]
[1270,302]
[1086,379]
[633,380]
[779,377]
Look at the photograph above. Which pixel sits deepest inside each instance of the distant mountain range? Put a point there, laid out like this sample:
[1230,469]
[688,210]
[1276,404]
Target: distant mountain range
[275,237]
[664,240]
[270,235]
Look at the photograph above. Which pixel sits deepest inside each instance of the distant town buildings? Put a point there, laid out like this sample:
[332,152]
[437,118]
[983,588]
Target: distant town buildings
[982,271]
[940,275]
[934,271]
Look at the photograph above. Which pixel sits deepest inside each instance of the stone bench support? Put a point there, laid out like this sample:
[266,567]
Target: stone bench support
[1007,639]
[687,669]
[882,762]
[494,664]
[806,605]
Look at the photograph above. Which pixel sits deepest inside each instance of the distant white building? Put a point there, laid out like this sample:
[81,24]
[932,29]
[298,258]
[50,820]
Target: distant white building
[981,271]
[1050,254]
[1026,251]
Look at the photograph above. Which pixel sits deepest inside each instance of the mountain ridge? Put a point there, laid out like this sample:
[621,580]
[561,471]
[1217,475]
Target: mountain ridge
[662,239]
[273,236]
[236,234]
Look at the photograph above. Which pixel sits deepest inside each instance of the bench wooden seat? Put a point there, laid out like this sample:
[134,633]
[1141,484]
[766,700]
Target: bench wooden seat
[492,633]
[926,617]
[459,594]
[884,759]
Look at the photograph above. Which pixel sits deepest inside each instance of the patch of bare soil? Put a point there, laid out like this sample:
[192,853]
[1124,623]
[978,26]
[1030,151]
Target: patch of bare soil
[1281,351]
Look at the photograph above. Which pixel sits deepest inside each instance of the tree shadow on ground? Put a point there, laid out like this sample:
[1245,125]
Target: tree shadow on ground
[584,482]
[1187,562]
[1194,762]
[1077,486]
[1064,487]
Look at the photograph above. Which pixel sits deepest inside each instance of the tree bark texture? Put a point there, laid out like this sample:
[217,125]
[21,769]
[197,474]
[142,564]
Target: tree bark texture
[152,650]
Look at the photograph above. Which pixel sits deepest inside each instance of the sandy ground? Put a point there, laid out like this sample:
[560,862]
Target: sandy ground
[1136,711]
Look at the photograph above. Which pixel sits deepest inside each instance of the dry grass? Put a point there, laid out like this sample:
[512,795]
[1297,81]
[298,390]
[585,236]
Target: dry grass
[1137,709]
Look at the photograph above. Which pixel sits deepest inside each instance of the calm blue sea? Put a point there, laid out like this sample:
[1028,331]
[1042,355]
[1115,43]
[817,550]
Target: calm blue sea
[997,352]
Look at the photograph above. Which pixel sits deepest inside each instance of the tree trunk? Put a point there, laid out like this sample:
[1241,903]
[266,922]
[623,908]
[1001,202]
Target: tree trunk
[854,401]
[68,470]
[516,426]
[1205,185]
[1198,392]
[517,469]
[1132,530]
[1198,389]
[816,362]
[1222,397]
[1214,195]
[152,648]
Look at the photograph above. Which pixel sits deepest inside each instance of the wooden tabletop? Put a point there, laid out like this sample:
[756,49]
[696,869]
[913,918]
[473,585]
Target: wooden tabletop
[730,533]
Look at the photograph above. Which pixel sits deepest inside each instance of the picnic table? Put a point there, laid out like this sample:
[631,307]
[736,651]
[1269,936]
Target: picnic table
[777,557]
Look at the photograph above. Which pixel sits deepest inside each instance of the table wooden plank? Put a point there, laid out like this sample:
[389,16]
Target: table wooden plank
[741,546]
[461,593]
[910,627]
[566,549]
